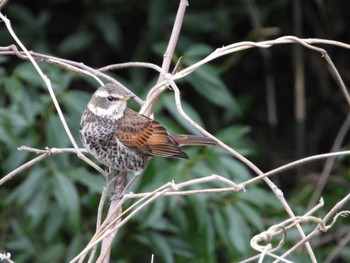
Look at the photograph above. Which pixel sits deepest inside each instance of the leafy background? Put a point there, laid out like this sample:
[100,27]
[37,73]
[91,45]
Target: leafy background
[48,213]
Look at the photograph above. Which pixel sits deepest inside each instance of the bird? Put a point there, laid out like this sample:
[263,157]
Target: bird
[124,139]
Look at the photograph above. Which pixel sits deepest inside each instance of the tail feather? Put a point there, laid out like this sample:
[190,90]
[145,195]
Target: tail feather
[183,140]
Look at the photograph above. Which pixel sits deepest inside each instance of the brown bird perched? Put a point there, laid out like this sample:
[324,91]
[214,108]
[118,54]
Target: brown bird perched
[124,139]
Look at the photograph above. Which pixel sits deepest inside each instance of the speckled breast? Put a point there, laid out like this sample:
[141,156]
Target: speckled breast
[98,137]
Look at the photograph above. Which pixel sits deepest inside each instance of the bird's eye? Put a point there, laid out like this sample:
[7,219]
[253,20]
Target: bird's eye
[110,98]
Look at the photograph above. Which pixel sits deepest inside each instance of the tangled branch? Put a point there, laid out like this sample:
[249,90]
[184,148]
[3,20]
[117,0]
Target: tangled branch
[112,223]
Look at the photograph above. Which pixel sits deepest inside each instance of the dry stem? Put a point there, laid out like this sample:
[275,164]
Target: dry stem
[113,223]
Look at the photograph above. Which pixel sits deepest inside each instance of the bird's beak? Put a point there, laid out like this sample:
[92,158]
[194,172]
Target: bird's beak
[126,98]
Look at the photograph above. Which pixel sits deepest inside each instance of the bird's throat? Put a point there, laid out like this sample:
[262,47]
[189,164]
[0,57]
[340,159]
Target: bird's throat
[114,113]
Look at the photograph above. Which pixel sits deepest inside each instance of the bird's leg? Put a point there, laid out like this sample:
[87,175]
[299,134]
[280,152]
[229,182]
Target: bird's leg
[131,182]
[120,194]
[119,185]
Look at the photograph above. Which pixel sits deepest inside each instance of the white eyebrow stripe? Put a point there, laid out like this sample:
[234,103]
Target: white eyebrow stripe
[102,93]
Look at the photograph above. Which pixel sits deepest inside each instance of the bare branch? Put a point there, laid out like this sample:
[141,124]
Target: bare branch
[116,218]
[295,164]
[22,168]
[114,211]
[2,3]
[330,161]
[6,256]
[332,256]
[46,81]
[50,151]
[318,229]
[278,193]
[147,110]
[132,65]
[66,64]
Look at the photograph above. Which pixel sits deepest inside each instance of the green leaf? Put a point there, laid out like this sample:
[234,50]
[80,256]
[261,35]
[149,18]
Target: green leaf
[198,51]
[93,181]
[251,214]
[14,159]
[210,242]
[56,135]
[157,12]
[55,252]
[169,103]
[54,222]
[16,122]
[76,245]
[38,205]
[22,243]
[75,43]
[221,225]
[161,247]
[75,101]
[238,229]
[26,72]
[236,169]
[67,198]
[109,28]
[200,209]
[178,215]
[159,48]
[181,247]
[29,187]
[158,244]
[233,133]
[6,137]
[260,197]
[152,215]
[207,83]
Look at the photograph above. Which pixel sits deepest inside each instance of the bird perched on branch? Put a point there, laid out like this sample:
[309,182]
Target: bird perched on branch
[123,139]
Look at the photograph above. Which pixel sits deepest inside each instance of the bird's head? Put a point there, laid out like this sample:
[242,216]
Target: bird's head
[110,101]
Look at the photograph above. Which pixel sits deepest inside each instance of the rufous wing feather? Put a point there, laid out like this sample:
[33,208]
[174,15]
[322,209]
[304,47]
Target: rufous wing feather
[147,136]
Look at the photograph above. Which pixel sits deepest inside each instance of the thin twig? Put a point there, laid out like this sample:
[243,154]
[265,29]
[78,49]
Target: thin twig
[211,178]
[338,249]
[173,38]
[46,81]
[267,44]
[66,64]
[114,211]
[282,228]
[6,256]
[132,65]
[104,256]
[330,161]
[294,164]
[108,227]
[2,3]
[49,88]
[22,168]
[51,151]
[105,192]
[318,229]
[278,193]
[147,110]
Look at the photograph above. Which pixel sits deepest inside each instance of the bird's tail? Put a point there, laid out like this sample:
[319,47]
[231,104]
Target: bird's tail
[183,140]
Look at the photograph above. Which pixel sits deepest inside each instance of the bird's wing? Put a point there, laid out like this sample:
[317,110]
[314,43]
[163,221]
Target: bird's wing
[147,136]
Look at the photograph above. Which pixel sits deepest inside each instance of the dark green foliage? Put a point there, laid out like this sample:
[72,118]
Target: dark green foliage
[48,212]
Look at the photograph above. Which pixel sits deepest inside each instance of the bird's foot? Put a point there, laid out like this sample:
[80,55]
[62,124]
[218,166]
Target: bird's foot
[117,195]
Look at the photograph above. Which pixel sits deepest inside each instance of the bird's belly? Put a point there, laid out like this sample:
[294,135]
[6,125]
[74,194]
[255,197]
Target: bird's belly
[119,157]
[114,154]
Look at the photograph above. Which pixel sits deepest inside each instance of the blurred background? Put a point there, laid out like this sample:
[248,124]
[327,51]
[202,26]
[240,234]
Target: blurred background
[273,106]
